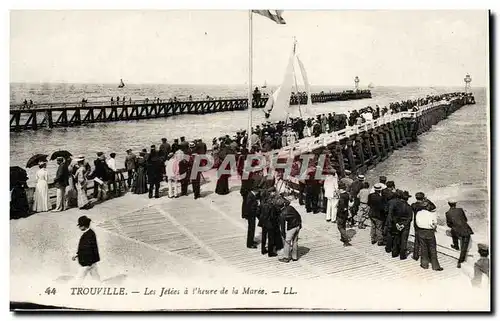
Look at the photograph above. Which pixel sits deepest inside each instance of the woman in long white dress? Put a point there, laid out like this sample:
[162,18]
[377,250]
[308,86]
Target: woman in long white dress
[81,184]
[41,196]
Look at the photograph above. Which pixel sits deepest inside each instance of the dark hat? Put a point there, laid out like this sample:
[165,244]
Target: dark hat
[176,139]
[144,150]
[483,247]
[382,179]
[84,221]
[163,139]
[99,154]
[406,195]
[419,196]
[153,146]
[112,154]
[142,154]
[128,150]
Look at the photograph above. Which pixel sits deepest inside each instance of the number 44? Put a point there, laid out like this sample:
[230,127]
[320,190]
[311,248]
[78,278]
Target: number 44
[50,290]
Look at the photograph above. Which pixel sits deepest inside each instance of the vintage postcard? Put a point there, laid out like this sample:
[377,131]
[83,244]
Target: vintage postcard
[299,160]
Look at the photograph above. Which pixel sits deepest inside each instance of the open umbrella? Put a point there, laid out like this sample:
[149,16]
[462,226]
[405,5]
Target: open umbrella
[60,153]
[35,159]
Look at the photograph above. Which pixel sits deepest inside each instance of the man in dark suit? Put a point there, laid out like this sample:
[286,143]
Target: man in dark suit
[377,216]
[61,181]
[184,173]
[343,215]
[196,180]
[164,149]
[184,145]
[155,172]
[130,166]
[251,213]
[101,170]
[88,252]
[460,230]
[398,224]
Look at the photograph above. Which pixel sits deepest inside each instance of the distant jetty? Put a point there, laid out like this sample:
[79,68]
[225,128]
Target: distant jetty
[71,114]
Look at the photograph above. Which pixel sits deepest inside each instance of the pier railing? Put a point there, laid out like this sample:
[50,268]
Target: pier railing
[312,143]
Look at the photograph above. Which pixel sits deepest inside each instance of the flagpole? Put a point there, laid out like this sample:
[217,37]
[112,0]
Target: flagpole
[250,67]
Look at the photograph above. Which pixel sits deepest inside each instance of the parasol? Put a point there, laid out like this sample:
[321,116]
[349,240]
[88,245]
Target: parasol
[60,153]
[35,159]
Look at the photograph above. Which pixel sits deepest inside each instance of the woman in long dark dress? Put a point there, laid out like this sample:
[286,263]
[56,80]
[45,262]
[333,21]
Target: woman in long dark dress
[141,181]
[222,187]
[19,206]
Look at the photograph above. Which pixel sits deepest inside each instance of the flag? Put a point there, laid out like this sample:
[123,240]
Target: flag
[274,15]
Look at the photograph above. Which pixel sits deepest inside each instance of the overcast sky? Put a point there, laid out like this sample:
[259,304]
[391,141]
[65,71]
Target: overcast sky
[427,48]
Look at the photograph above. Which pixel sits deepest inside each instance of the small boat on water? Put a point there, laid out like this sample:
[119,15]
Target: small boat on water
[121,85]
[371,85]
[265,85]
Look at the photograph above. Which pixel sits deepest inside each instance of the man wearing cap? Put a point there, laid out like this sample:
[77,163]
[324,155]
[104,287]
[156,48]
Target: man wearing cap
[290,223]
[343,215]
[354,198]
[427,223]
[346,180]
[460,230]
[250,214]
[422,203]
[175,145]
[164,149]
[61,181]
[88,252]
[364,209]
[377,207]
[130,165]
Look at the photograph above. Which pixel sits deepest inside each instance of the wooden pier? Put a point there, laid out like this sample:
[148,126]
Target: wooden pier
[52,115]
[359,147]
[186,238]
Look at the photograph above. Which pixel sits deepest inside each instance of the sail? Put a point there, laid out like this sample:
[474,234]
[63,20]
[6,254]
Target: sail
[306,84]
[270,102]
[279,106]
[121,85]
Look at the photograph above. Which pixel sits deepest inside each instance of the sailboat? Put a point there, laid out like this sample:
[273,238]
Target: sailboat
[371,85]
[277,107]
[265,85]
[121,85]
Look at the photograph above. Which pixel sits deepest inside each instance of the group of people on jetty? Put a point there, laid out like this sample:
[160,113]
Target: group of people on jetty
[346,200]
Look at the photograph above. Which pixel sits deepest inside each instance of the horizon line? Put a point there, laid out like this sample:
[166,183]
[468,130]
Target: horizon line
[239,84]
